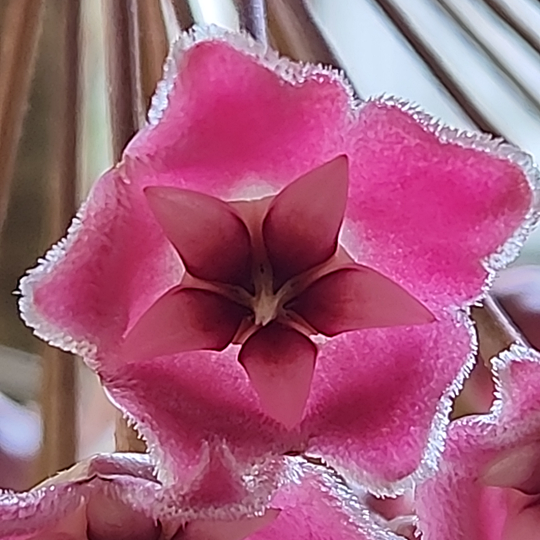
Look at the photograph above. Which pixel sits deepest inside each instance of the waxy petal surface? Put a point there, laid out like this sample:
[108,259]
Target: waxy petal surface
[280,362]
[211,238]
[355,298]
[236,123]
[476,493]
[184,319]
[187,402]
[302,224]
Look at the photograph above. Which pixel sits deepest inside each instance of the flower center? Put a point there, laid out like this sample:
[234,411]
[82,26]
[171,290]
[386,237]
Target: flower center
[265,303]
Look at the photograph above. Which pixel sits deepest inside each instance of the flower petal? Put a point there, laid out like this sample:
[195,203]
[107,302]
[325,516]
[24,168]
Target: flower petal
[184,319]
[81,499]
[519,469]
[111,517]
[231,122]
[358,297]
[208,234]
[280,362]
[380,399]
[184,403]
[429,205]
[317,505]
[473,495]
[302,224]
[227,530]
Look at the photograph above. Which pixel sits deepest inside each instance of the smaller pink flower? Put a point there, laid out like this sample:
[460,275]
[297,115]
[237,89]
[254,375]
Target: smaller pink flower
[104,497]
[488,483]
[117,497]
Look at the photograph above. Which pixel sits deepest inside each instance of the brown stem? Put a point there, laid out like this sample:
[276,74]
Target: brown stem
[511,20]
[470,30]
[125,101]
[153,47]
[59,396]
[123,70]
[294,33]
[18,45]
[183,13]
[435,65]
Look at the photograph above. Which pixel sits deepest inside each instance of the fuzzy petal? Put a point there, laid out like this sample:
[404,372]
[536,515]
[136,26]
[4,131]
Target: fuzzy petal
[317,506]
[478,490]
[228,530]
[231,122]
[187,402]
[234,122]
[429,205]
[184,319]
[211,238]
[302,225]
[280,363]
[519,469]
[95,497]
[376,398]
[355,298]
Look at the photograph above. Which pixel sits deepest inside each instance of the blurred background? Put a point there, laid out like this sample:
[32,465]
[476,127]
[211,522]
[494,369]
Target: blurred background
[475,64]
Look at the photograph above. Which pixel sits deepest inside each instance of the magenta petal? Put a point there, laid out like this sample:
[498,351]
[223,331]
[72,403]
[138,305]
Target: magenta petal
[375,404]
[431,205]
[228,530]
[358,297]
[280,363]
[110,517]
[302,224]
[184,319]
[95,496]
[318,506]
[489,462]
[208,398]
[211,238]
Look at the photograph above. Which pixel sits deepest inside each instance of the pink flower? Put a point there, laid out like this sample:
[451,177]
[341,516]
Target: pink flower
[103,497]
[430,214]
[117,497]
[488,483]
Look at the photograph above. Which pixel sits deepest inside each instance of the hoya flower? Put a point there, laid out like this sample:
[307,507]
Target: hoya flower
[117,497]
[100,498]
[488,484]
[275,268]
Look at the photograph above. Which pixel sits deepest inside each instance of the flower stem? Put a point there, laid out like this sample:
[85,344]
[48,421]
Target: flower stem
[59,392]
[253,19]
[123,70]
[18,45]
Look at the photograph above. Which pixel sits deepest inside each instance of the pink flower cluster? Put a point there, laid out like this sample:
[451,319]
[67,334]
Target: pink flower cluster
[274,285]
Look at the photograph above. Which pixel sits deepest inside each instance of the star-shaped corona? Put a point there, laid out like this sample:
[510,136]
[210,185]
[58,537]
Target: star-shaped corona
[267,274]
